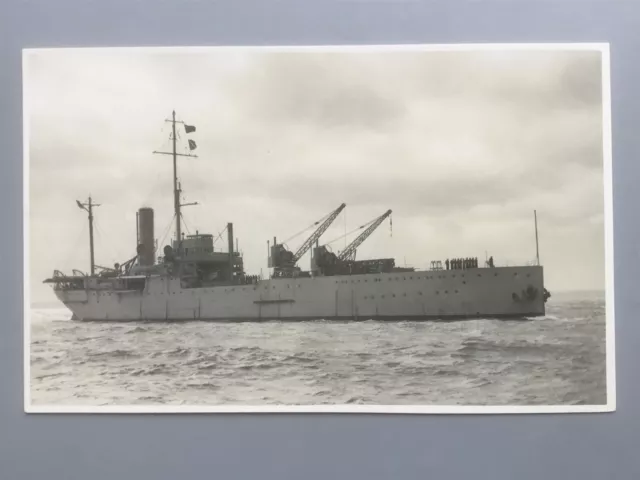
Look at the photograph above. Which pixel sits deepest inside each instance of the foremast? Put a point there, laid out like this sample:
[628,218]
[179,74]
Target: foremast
[88,207]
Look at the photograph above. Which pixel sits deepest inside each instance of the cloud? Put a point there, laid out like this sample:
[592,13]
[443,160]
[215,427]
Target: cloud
[461,145]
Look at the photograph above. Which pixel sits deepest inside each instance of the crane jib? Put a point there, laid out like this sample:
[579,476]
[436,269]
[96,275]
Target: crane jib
[318,233]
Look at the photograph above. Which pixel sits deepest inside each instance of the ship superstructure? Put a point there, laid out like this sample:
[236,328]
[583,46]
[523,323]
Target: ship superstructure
[192,280]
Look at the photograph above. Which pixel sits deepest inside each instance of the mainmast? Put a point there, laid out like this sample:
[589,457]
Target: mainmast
[535,220]
[88,207]
[177,189]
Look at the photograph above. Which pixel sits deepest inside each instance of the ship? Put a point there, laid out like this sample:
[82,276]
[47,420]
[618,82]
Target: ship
[194,280]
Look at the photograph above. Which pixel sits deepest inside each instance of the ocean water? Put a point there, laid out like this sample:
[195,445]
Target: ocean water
[553,360]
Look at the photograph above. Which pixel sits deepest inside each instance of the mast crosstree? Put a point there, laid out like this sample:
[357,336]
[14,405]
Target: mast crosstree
[88,207]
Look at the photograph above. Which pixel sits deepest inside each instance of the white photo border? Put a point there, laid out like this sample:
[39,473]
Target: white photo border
[610,354]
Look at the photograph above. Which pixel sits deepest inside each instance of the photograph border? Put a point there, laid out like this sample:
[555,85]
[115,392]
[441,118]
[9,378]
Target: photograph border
[610,354]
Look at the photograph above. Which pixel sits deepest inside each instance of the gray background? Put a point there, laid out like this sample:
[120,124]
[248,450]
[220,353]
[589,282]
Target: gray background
[322,446]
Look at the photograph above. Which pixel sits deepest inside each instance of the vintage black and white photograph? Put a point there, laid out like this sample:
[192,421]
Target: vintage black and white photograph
[383,229]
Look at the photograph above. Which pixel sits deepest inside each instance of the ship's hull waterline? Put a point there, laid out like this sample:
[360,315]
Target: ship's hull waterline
[504,292]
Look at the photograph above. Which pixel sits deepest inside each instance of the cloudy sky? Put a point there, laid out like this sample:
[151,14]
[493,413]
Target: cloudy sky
[461,145]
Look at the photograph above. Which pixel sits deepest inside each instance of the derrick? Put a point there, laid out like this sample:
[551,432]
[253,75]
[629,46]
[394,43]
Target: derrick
[349,253]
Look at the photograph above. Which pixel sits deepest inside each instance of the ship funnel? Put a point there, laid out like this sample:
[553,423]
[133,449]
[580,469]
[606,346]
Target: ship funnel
[146,248]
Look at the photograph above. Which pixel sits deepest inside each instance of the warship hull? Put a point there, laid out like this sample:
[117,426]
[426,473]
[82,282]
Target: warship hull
[501,292]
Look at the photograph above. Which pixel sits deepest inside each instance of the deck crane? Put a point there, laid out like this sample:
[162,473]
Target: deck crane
[284,262]
[328,263]
[349,253]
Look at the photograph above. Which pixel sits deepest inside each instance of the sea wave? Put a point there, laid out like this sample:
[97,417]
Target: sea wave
[556,359]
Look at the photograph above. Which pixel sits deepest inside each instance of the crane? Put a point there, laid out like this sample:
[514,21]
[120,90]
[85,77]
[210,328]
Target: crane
[349,253]
[282,259]
[318,233]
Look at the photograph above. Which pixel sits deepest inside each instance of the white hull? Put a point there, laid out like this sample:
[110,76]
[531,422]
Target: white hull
[449,294]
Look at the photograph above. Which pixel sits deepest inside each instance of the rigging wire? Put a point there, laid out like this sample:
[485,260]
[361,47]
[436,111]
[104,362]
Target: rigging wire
[185,223]
[307,228]
[104,239]
[349,233]
[74,250]
[99,237]
[201,193]
[166,231]
[220,235]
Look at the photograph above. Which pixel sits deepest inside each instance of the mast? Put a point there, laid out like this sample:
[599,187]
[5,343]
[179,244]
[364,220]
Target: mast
[176,193]
[535,220]
[177,188]
[88,207]
[230,242]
